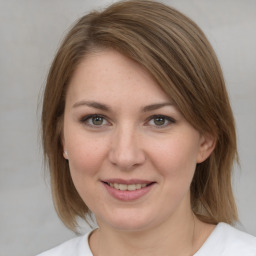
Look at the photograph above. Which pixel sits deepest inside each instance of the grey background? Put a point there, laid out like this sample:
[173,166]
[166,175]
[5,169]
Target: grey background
[30,31]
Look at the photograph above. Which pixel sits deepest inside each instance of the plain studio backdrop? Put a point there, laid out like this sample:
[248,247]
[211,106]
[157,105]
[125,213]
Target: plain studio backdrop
[30,32]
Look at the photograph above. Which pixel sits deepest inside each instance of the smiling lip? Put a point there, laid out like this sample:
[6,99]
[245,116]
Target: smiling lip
[127,190]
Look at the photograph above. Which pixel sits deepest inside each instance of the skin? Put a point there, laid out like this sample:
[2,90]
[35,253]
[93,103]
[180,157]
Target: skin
[129,140]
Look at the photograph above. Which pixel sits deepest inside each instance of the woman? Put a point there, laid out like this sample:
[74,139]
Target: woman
[138,130]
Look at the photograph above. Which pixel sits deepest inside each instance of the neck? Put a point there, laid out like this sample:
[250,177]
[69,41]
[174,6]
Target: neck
[173,237]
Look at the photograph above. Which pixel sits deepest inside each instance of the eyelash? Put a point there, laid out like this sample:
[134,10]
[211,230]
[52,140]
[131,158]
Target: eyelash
[85,120]
[169,120]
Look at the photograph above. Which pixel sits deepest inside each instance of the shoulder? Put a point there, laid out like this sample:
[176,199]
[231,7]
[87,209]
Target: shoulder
[238,240]
[74,247]
[226,240]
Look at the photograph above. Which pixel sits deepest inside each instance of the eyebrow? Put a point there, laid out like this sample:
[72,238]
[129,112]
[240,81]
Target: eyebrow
[157,106]
[104,107]
[92,104]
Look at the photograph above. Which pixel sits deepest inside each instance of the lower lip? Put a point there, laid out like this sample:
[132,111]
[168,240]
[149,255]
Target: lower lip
[126,195]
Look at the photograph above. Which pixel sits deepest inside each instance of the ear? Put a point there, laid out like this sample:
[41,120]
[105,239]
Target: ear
[65,152]
[206,147]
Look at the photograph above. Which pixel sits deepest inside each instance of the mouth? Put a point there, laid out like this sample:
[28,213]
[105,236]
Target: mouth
[128,187]
[128,190]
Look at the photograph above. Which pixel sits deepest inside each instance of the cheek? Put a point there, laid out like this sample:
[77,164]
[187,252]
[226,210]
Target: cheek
[176,158]
[86,158]
[86,155]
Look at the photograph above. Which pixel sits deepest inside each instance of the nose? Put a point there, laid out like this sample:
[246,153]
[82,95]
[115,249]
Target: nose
[126,151]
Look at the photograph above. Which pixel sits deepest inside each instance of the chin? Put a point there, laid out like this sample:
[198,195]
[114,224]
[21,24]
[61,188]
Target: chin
[129,222]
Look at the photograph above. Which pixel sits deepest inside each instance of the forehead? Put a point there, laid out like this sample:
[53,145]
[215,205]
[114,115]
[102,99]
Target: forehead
[107,74]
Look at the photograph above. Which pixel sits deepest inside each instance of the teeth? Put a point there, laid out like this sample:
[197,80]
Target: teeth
[131,187]
[138,186]
[125,187]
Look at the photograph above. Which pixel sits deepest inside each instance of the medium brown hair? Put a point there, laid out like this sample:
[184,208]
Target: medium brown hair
[177,54]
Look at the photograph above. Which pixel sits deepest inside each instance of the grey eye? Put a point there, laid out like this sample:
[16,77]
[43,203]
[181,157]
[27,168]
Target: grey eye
[94,120]
[97,120]
[159,121]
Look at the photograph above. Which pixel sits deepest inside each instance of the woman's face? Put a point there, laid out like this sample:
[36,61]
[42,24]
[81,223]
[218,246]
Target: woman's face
[131,153]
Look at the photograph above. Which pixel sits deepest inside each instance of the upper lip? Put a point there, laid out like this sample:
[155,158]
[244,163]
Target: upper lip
[127,182]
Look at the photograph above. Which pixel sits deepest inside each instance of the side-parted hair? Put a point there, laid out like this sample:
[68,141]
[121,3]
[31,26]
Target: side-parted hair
[177,54]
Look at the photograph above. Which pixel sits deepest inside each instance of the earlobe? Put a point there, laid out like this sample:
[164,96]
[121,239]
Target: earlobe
[207,145]
[65,154]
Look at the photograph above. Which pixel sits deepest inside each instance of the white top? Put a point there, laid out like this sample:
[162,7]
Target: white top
[223,241]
